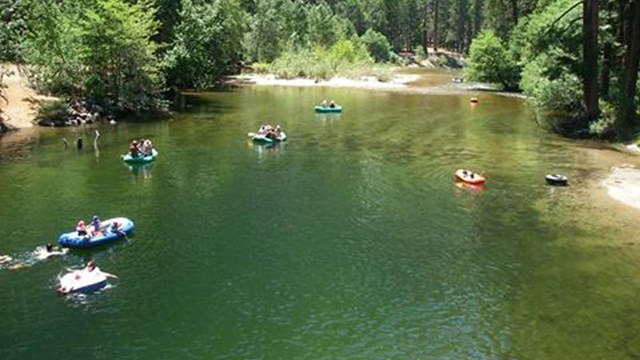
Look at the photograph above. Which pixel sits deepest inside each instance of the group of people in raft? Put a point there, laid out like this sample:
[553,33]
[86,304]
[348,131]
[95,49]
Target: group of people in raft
[330,104]
[269,131]
[469,176]
[94,228]
[141,148]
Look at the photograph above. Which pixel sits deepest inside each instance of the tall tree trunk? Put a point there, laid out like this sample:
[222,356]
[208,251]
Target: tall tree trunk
[435,26]
[607,54]
[590,58]
[425,40]
[632,56]
[605,75]
[425,29]
[514,12]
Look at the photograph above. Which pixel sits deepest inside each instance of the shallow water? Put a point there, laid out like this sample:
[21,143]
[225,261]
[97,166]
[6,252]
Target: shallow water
[349,241]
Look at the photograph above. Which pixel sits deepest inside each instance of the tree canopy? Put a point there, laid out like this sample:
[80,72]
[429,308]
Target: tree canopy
[568,56]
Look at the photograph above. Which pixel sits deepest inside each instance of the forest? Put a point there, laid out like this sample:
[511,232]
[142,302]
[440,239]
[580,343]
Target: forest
[575,61]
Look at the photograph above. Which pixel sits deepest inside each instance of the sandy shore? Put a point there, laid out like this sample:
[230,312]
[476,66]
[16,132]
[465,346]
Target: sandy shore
[22,100]
[365,82]
[19,109]
[623,184]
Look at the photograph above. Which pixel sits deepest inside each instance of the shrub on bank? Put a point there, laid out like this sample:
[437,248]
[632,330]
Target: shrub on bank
[348,58]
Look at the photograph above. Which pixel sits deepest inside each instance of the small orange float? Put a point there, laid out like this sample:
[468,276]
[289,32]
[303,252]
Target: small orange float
[469,177]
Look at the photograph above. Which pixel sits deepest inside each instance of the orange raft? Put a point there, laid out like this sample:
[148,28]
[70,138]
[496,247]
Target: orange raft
[469,177]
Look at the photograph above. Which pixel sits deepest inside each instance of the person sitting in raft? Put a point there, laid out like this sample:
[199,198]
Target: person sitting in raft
[332,104]
[133,148]
[42,253]
[81,228]
[115,228]
[271,133]
[91,267]
[95,224]
[147,147]
[324,103]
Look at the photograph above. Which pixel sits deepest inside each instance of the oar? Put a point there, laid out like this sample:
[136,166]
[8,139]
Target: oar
[121,233]
[251,134]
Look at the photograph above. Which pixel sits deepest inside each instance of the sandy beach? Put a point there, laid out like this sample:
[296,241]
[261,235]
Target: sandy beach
[19,109]
[623,184]
[365,82]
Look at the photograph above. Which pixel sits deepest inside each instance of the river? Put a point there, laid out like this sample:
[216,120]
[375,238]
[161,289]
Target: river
[349,241]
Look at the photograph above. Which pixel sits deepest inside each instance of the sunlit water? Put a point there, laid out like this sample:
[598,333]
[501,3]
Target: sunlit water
[349,241]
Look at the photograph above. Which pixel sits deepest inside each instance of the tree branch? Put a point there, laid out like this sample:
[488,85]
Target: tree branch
[561,16]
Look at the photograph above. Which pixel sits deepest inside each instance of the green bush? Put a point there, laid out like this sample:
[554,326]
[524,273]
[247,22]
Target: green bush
[561,92]
[346,58]
[260,68]
[54,111]
[605,121]
[377,45]
[489,61]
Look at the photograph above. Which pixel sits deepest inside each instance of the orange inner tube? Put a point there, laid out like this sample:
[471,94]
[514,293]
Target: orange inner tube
[469,176]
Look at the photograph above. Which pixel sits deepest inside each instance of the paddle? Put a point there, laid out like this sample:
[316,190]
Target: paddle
[122,233]
[251,134]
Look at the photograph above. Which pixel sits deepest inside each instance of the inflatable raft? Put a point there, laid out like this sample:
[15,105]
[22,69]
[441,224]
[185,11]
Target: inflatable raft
[82,281]
[469,177]
[556,179]
[328,109]
[107,233]
[140,159]
[262,138]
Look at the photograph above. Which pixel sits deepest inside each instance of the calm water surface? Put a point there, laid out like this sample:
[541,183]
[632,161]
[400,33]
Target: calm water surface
[350,241]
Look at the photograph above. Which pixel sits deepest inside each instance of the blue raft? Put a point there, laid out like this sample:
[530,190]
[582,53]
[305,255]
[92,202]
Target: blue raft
[140,159]
[328,109]
[106,234]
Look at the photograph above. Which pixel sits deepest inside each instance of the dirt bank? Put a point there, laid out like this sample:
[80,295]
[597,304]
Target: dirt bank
[21,98]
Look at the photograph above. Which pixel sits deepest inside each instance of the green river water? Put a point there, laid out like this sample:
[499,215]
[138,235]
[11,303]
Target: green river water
[349,241]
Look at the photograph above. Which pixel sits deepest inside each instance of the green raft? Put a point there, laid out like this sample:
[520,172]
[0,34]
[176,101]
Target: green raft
[140,159]
[328,109]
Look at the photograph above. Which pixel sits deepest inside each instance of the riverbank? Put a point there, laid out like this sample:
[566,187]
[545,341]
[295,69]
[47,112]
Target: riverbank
[399,81]
[22,100]
[623,184]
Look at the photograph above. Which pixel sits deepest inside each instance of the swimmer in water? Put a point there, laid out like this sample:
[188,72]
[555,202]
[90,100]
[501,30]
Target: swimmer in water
[45,252]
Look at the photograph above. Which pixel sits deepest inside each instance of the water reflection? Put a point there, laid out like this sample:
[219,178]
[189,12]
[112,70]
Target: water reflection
[328,118]
[471,188]
[267,150]
[143,170]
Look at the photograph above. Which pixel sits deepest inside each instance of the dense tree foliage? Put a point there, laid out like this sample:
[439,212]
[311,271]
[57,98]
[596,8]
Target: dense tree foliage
[573,57]
[12,27]
[206,42]
[100,50]
[490,61]
[377,44]
[570,57]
